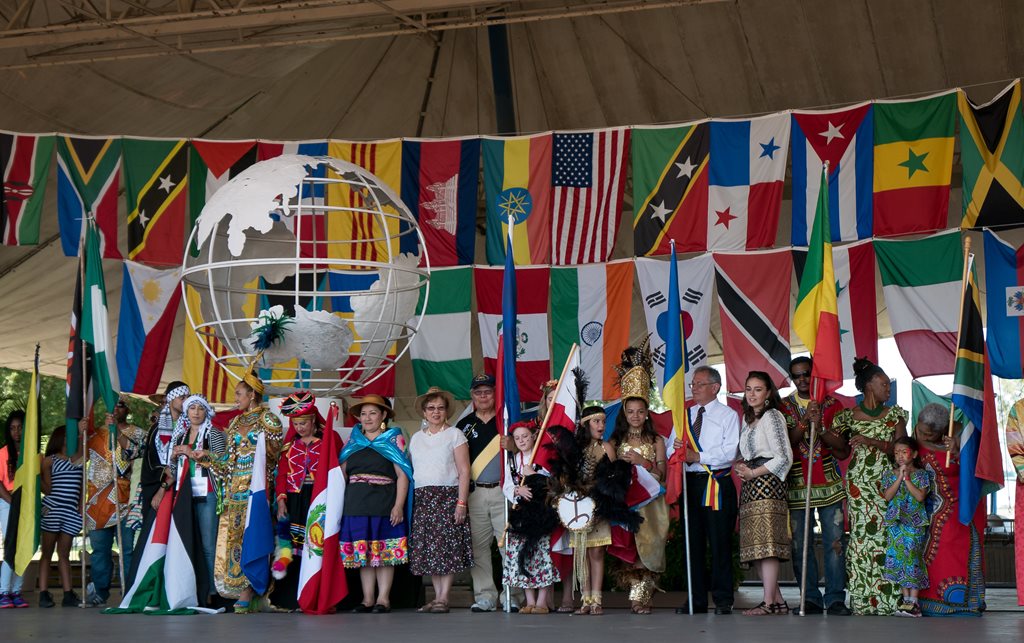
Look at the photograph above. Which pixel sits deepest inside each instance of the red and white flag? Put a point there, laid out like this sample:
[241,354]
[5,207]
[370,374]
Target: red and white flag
[588,174]
[564,411]
[321,575]
[533,355]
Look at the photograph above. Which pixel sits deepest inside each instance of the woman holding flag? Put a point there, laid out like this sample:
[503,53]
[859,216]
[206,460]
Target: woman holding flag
[378,505]
[637,443]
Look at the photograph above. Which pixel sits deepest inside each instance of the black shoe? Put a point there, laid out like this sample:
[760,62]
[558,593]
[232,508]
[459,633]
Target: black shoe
[812,608]
[362,609]
[839,609]
[70,600]
[380,609]
[723,610]
[696,610]
[46,599]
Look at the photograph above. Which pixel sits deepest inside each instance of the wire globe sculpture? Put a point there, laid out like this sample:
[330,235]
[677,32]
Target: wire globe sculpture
[325,248]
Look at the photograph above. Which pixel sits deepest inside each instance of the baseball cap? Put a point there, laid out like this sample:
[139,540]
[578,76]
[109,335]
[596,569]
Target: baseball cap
[482,379]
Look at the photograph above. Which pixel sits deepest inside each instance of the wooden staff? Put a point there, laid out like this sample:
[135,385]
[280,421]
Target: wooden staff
[959,330]
[807,525]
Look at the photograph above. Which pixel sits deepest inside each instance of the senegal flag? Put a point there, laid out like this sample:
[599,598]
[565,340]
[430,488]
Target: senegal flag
[913,164]
[816,320]
[22,533]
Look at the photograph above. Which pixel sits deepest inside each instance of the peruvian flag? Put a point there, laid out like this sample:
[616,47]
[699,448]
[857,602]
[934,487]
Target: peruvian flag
[149,306]
[321,575]
[533,356]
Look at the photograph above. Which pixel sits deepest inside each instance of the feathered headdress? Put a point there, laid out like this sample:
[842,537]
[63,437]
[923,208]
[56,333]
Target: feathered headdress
[268,330]
[635,371]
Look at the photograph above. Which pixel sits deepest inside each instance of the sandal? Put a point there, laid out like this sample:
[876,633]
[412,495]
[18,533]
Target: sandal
[596,610]
[763,609]
[439,607]
[640,608]
[526,609]
[426,607]
[540,610]
[565,609]
[584,609]
[779,608]
[244,607]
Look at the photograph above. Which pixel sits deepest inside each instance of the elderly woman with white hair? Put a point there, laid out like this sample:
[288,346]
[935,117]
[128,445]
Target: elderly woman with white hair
[953,552]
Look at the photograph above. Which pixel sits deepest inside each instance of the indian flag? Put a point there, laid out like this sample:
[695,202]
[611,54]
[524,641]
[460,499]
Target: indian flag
[921,284]
[441,351]
[590,307]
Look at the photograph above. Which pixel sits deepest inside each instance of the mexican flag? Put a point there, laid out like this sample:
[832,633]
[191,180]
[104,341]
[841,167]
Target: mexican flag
[921,284]
[440,353]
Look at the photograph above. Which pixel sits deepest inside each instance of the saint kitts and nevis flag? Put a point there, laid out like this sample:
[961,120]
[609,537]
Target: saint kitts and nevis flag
[517,183]
[149,306]
[590,308]
[816,318]
[913,164]
[440,353]
[981,464]
[156,184]
[21,534]
[843,139]
[1004,285]
[992,156]
[670,188]
[25,159]
[920,282]
[440,180]
[530,335]
[88,180]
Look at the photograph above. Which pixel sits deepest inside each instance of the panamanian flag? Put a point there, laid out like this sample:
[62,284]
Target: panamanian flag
[845,139]
[747,170]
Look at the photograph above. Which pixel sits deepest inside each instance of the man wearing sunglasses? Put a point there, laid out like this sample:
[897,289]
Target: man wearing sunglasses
[827,493]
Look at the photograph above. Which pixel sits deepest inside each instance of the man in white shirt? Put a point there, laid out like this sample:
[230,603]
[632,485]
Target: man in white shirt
[716,428]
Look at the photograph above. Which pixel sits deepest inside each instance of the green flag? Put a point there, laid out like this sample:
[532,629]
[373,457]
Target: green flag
[96,326]
[440,353]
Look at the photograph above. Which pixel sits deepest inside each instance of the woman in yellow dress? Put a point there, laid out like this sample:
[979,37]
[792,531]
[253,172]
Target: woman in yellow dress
[235,473]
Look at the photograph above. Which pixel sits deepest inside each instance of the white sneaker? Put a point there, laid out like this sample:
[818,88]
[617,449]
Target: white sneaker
[483,605]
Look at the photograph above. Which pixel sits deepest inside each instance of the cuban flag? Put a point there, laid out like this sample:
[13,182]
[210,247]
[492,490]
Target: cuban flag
[1004,284]
[845,139]
[149,306]
[747,168]
[258,537]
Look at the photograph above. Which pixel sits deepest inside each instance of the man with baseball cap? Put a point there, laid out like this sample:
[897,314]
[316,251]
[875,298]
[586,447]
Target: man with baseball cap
[486,502]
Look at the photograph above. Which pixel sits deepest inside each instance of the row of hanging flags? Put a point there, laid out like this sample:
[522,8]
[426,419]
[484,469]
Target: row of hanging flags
[712,185]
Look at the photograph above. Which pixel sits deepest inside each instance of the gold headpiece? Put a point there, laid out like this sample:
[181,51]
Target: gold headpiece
[635,371]
[250,378]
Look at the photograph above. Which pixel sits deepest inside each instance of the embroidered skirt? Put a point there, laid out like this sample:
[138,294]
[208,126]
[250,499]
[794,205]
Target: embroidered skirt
[539,572]
[372,541]
[764,519]
[438,546]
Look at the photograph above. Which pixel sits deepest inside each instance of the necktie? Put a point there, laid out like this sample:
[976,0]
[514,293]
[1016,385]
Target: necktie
[697,424]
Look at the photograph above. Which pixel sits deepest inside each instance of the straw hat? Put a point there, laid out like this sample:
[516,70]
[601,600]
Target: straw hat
[375,400]
[435,391]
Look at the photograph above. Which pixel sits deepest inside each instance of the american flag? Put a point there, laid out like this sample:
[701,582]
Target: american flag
[588,172]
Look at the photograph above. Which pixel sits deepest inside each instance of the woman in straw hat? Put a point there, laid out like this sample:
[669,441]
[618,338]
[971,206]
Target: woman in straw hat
[440,541]
[378,507]
[234,469]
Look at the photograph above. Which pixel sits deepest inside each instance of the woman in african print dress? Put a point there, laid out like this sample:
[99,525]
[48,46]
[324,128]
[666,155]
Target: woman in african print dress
[871,428]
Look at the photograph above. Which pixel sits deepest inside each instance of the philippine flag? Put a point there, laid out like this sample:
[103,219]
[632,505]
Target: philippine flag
[845,139]
[149,304]
[258,537]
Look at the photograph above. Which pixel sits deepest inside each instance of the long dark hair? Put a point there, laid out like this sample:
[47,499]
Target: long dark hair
[583,428]
[621,432]
[12,444]
[56,443]
[773,401]
[913,445]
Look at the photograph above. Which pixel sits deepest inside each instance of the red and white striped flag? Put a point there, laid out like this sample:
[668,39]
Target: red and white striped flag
[588,173]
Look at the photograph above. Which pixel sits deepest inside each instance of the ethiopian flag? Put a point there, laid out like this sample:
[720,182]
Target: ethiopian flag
[517,183]
[816,320]
[913,164]
[21,534]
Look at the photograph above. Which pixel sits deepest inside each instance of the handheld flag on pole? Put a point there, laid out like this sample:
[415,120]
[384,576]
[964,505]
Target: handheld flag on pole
[563,410]
[258,537]
[21,534]
[816,319]
[508,385]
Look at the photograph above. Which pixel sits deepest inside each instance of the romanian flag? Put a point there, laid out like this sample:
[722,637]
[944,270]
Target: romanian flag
[913,164]
[674,383]
[816,320]
[361,235]
[517,183]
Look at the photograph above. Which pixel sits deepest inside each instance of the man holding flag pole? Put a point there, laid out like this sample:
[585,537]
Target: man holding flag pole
[816,322]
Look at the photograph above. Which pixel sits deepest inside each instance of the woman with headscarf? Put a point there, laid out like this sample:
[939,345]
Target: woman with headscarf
[293,491]
[378,505]
[871,428]
[234,469]
[157,455]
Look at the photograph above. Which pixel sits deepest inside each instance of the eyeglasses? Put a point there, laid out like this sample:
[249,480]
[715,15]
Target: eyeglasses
[800,376]
[432,409]
[700,384]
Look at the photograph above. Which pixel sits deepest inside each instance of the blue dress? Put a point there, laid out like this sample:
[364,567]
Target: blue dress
[906,530]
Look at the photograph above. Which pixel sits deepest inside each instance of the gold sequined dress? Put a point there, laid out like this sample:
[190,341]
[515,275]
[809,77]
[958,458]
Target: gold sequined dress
[600,534]
[650,539]
[235,472]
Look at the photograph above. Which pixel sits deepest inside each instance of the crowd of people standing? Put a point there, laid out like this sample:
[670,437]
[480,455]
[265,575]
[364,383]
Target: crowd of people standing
[885,499]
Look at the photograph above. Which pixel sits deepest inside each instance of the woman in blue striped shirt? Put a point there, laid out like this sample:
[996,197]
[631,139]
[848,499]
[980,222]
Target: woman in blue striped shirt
[61,513]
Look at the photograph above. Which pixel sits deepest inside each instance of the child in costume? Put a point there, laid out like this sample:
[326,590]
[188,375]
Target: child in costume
[906,488]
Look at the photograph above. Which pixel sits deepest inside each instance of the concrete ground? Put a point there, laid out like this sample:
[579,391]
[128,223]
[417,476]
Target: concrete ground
[463,626]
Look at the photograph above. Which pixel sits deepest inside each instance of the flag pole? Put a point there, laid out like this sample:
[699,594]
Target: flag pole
[959,331]
[504,424]
[85,401]
[547,413]
[815,382]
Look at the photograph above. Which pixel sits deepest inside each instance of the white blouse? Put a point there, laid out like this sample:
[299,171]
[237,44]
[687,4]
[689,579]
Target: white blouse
[433,457]
[767,438]
[513,467]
